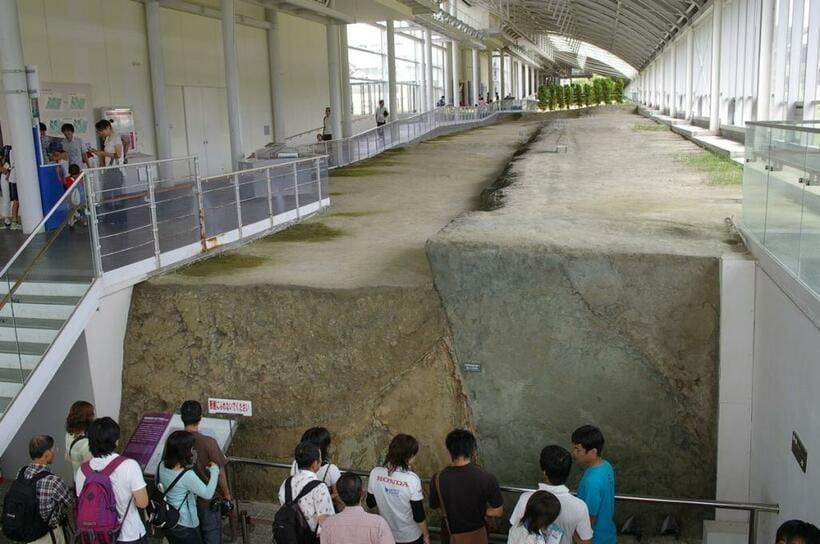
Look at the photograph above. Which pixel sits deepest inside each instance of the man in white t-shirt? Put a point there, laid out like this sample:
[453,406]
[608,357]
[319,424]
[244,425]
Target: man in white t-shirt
[317,504]
[126,480]
[573,520]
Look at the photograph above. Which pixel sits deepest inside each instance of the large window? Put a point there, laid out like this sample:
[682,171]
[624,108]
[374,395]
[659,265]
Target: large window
[367,44]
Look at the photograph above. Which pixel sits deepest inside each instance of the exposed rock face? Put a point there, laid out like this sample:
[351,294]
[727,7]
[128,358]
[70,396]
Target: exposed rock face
[626,342]
[367,364]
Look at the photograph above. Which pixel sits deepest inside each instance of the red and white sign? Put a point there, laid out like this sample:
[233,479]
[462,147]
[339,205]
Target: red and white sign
[230,406]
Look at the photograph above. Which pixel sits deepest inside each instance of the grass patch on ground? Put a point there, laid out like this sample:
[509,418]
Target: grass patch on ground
[305,232]
[336,194]
[351,172]
[650,127]
[224,263]
[353,214]
[720,170]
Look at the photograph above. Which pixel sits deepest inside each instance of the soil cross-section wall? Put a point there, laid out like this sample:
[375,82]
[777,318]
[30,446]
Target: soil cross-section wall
[366,363]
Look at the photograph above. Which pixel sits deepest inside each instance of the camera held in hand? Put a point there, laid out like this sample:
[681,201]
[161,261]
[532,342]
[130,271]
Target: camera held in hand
[224,506]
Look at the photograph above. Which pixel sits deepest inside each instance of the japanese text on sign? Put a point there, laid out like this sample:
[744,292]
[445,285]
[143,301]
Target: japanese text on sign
[230,406]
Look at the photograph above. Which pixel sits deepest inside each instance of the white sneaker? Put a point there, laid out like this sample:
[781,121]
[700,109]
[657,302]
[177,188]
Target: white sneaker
[16,226]
[7,224]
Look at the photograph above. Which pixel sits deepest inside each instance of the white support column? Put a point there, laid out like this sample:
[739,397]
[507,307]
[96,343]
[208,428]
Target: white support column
[232,81]
[812,54]
[422,79]
[689,107]
[277,77]
[456,73]
[490,81]
[344,71]
[476,72]
[502,78]
[673,85]
[714,98]
[428,67]
[764,74]
[334,79]
[162,129]
[392,103]
[664,89]
[18,109]
[448,73]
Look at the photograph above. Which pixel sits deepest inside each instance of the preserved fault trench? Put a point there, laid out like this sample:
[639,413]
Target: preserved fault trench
[589,294]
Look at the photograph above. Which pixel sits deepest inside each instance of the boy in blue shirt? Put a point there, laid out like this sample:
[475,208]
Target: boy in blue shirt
[597,487]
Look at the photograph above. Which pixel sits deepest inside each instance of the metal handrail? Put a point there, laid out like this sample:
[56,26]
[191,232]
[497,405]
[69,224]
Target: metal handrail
[289,162]
[797,126]
[728,505]
[136,164]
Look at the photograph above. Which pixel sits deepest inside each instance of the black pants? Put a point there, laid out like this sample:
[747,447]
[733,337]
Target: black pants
[419,541]
[184,535]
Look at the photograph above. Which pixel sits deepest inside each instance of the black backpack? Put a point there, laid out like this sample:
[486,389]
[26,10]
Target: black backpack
[289,523]
[159,512]
[21,511]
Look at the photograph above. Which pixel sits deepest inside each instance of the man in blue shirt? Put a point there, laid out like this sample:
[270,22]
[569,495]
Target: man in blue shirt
[597,488]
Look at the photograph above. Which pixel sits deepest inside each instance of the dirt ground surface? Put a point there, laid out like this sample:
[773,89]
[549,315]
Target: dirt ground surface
[616,190]
[387,210]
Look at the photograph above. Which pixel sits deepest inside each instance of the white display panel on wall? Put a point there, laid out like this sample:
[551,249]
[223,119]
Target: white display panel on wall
[67,103]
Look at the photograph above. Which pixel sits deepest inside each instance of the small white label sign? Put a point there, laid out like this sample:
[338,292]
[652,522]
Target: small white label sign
[230,406]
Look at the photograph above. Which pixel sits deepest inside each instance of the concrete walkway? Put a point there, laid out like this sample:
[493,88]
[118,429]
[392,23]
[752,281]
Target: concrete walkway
[386,209]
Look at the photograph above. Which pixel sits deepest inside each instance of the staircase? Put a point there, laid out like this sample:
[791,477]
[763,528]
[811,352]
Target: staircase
[30,321]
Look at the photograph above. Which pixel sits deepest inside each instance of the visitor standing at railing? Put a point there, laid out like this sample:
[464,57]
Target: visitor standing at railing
[328,473]
[10,178]
[327,125]
[316,504]
[183,487]
[597,487]
[353,525]
[396,490]
[537,524]
[209,509]
[123,476]
[465,493]
[77,449]
[73,146]
[797,531]
[111,154]
[573,520]
[35,507]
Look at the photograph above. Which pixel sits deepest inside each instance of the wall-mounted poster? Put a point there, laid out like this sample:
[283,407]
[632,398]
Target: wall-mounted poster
[62,103]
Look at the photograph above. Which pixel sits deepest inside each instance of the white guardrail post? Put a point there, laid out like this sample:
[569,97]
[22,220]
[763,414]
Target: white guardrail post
[296,190]
[235,178]
[152,207]
[95,228]
[200,204]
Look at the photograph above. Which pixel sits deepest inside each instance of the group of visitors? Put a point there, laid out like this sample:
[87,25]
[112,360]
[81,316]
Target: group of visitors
[70,155]
[110,490]
[318,502]
[331,503]
[382,117]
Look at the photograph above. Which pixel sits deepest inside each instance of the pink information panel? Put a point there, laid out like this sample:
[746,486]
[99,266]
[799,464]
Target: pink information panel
[147,436]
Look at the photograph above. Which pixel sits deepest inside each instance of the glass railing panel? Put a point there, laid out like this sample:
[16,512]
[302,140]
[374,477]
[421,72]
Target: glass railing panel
[219,205]
[308,178]
[175,200]
[755,179]
[123,213]
[809,270]
[785,195]
[254,199]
